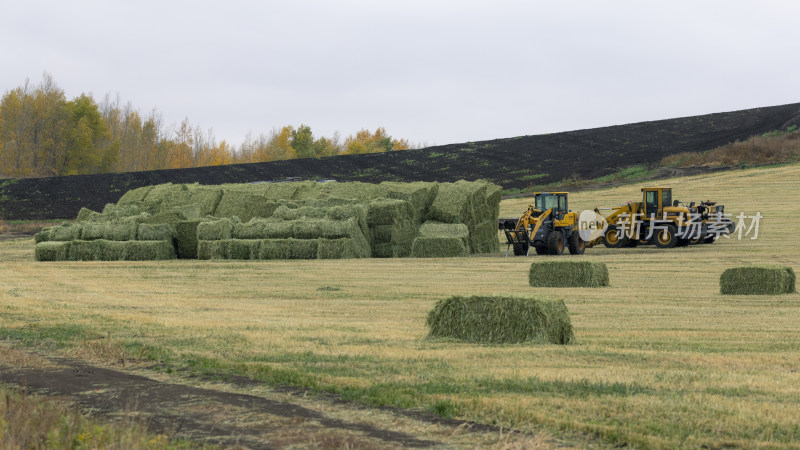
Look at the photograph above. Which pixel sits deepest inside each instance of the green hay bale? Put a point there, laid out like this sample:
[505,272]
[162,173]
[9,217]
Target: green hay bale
[306,229]
[288,249]
[111,231]
[568,274]
[384,251]
[495,320]
[190,212]
[386,211]
[112,212]
[67,232]
[483,237]
[278,191]
[757,280]
[276,229]
[155,232]
[213,249]
[244,249]
[86,215]
[148,250]
[453,203]
[494,194]
[51,251]
[84,250]
[419,194]
[244,205]
[43,236]
[215,230]
[173,218]
[111,250]
[342,249]
[134,196]
[360,192]
[438,247]
[164,197]
[206,198]
[186,236]
[439,230]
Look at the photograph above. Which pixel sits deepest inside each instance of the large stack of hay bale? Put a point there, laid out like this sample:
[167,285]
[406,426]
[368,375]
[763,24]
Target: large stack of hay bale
[300,220]
[501,320]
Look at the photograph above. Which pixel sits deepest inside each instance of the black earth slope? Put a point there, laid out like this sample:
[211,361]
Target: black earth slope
[511,163]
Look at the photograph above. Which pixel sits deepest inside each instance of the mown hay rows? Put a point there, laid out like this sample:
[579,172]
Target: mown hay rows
[501,320]
[757,280]
[343,220]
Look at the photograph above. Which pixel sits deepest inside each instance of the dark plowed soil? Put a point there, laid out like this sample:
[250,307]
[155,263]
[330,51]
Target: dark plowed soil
[511,163]
[220,417]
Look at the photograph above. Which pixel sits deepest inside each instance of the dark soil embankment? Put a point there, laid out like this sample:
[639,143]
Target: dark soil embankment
[512,163]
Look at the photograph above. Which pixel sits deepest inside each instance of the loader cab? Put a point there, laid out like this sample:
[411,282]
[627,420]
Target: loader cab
[555,200]
[655,199]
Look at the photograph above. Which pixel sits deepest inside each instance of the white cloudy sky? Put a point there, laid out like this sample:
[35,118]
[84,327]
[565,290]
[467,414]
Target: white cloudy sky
[434,72]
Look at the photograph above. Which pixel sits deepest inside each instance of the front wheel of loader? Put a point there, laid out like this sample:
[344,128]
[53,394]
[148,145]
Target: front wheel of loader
[555,243]
[667,237]
[614,238]
[541,250]
[576,245]
[521,249]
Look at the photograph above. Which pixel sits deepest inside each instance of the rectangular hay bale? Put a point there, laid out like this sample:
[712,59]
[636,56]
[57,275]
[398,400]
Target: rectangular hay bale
[757,280]
[52,251]
[494,320]
[67,232]
[215,230]
[155,232]
[437,247]
[186,237]
[568,274]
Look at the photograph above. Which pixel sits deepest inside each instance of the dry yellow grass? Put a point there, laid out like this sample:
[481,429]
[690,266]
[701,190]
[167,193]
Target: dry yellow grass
[661,360]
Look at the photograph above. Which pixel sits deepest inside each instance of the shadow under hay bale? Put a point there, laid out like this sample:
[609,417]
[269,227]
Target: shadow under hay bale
[495,320]
[568,274]
[757,280]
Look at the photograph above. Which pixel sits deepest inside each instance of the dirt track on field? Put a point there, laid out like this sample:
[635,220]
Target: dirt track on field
[270,419]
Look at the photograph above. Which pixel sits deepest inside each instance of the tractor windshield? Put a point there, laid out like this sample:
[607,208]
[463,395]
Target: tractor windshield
[546,201]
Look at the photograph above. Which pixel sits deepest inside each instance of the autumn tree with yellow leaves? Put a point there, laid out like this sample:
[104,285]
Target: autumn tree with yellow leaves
[44,134]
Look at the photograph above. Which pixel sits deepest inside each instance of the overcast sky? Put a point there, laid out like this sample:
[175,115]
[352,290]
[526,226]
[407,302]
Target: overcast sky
[434,72]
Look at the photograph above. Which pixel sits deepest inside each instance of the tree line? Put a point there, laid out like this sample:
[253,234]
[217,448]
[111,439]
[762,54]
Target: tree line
[44,134]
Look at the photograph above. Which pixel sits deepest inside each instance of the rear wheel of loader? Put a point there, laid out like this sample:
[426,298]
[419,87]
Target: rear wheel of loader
[555,243]
[667,238]
[576,245]
[521,249]
[614,238]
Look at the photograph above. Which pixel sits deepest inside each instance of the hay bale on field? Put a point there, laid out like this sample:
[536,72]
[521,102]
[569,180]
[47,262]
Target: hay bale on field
[104,250]
[169,217]
[215,230]
[757,280]
[387,211]
[454,202]
[86,215]
[207,198]
[155,232]
[43,236]
[497,320]
[186,237]
[112,212]
[51,251]
[244,205]
[419,194]
[344,248]
[483,237]
[111,231]
[67,232]
[441,247]
[568,274]
[134,196]
[440,240]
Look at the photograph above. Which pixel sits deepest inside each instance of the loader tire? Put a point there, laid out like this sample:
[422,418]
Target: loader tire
[667,238]
[541,250]
[576,245]
[613,238]
[521,249]
[555,243]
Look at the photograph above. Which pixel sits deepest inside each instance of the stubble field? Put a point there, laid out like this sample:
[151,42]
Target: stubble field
[661,359]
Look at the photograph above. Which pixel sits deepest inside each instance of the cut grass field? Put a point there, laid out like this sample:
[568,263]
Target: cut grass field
[661,358]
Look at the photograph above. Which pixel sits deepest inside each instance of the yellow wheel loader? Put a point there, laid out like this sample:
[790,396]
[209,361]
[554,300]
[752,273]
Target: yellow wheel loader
[548,227]
[666,223]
